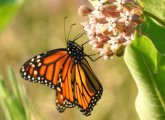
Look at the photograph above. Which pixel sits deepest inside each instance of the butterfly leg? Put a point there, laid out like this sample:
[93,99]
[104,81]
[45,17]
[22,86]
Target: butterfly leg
[89,56]
[88,41]
[93,59]
[78,36]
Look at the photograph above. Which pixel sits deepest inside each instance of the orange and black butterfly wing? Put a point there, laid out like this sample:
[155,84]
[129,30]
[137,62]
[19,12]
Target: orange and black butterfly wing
[53,69]
[75,83]
[87,88]
[45,67]
[64,94]
[78,86]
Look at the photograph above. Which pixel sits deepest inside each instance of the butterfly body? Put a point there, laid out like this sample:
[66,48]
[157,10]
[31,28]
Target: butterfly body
[75,51]
[68,72]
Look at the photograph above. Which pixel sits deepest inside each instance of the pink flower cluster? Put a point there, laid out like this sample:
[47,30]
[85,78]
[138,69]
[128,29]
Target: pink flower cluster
[111,25]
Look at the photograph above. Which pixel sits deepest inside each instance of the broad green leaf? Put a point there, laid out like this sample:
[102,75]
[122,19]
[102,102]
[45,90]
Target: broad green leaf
[147,67]
[8,9]
[156,8]
[155,32]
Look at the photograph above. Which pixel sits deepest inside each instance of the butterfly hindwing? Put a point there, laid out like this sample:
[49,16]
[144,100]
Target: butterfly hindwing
[87,88]
[64,94]
[79,86]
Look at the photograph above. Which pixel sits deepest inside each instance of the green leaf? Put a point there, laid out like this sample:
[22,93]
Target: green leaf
[13,98]
[147,67]
[8,9]
[155,32]
[156,9]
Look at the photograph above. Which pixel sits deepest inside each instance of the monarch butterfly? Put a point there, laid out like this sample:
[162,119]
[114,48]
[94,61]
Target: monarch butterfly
[68,72]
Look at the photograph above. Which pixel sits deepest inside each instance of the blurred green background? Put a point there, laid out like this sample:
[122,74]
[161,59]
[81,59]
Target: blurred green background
[38,27]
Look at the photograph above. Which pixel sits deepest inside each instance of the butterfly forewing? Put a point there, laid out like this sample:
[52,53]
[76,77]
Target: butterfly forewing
[42,68]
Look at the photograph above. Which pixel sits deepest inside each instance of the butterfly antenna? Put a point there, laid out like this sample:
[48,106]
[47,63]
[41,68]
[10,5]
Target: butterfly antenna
[70,30]
[65,27]
[89,56]
[85,43]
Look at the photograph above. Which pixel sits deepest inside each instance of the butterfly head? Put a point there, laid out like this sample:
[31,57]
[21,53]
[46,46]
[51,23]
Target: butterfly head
[75,50]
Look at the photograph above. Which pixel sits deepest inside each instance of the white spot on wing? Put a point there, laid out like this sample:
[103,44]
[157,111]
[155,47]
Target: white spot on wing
[33,65]
[38,60]
[38,56]
[28,76]
[35,72]
[58,89]
[32,59]
[38,78]
[39,64]
[24,73]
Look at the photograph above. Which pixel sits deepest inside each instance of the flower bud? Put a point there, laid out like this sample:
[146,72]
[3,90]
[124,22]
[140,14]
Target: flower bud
[84,10]
[120,50]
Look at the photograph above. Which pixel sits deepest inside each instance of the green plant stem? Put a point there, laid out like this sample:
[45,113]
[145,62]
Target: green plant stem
[154,17]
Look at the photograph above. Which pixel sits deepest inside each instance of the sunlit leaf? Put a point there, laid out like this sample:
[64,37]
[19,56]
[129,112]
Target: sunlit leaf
[147,67]
[155,32]
[155,7]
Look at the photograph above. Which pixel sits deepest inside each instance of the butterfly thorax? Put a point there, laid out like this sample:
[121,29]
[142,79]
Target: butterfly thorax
[75,50]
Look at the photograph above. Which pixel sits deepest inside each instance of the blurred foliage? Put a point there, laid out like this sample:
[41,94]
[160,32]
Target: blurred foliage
[147,66]
[8,9]
[13,98]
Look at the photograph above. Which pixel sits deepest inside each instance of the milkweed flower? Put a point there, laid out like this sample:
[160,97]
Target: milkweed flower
[111,25]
